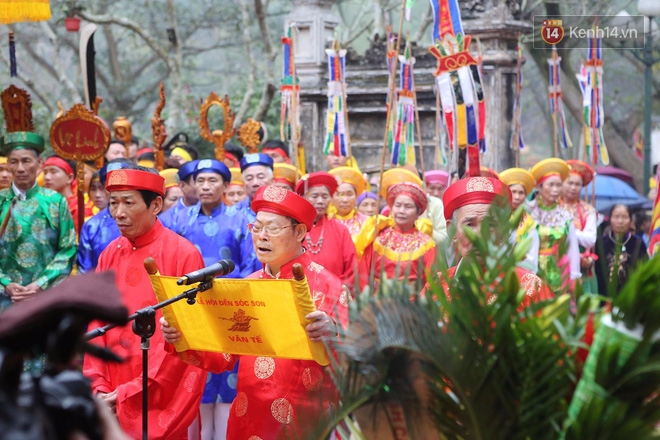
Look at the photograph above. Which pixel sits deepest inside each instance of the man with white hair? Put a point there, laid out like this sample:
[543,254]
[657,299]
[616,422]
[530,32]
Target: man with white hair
[257,170]
[279,397]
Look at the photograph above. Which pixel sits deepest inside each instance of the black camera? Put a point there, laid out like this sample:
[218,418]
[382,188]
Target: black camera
[55,401]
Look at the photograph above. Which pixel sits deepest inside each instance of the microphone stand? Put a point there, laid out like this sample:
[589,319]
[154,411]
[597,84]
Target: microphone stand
[144,326]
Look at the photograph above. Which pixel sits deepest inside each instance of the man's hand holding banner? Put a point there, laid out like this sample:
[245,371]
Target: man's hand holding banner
[245,317]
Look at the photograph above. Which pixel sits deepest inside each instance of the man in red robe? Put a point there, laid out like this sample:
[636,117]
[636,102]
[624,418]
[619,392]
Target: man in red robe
[279,397]
[328,241]
[466,204]
[59,176]
[175,388]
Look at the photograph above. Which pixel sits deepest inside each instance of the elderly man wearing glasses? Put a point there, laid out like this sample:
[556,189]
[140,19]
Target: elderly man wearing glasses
[277,397]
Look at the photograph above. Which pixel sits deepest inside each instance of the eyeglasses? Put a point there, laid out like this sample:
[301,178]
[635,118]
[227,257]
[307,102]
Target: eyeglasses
[271,231]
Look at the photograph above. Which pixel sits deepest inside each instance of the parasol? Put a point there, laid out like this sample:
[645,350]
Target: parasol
[611,191]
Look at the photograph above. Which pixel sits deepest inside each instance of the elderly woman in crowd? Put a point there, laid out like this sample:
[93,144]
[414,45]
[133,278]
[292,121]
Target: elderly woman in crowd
[399,242]
[350,187]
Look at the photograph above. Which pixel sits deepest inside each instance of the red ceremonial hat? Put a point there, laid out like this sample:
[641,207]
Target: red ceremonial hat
[319,178]
[281,201]
[409,189]
[473,190]
[582,169]
[145,150]
[127,179]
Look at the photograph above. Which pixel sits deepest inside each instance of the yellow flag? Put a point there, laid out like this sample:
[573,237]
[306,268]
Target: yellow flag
[245,317]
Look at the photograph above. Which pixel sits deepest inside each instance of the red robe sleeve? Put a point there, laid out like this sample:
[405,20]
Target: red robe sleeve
[175,388]
[96,370]
[350,257]
[427,260]
[364,266]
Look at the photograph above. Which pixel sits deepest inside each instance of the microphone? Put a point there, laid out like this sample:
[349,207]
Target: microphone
[222,267]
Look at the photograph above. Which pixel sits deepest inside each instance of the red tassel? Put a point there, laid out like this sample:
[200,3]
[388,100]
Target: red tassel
[12,55]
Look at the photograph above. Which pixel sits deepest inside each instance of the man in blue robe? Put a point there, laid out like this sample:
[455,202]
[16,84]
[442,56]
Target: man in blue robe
[257,170]
[218,231]
[101,229]
[187,185]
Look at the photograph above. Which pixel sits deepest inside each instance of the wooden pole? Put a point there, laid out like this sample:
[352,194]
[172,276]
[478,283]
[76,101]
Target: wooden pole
[419,129]
[437,130]
[5,221]
[80,175]
[555,74]
[294,103]
[389,114]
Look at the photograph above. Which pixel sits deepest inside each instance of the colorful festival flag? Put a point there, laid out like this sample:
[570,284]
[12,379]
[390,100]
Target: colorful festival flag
[337,137]
[556,102]
[290,92]
[596,117]
[391,100]
[402,146]
[460,86]
[477,76]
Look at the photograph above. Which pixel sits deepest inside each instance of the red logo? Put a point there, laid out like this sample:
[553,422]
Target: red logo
[552,31]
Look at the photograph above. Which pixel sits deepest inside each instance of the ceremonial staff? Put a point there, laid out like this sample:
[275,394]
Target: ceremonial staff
[295,135]
[556,101]
[387,129]
[158,130]
[419,129]
[81,136]
[218,137]
[5,221]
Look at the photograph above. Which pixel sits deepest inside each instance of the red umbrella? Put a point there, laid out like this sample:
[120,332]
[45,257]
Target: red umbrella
[616,172]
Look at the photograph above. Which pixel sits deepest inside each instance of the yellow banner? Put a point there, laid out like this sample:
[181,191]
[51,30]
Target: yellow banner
[248,317]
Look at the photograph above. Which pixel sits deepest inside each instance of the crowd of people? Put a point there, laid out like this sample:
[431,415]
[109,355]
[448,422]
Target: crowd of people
[260,212]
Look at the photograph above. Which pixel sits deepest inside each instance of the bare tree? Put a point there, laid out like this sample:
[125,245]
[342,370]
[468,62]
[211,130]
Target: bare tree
[269,88]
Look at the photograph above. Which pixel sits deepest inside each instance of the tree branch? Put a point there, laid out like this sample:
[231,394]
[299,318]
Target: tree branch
[42,96]
[428,19]
[260,11]
[62,78]
[269,87]
[249,91]
[137,72]
[113,53]
[131,25]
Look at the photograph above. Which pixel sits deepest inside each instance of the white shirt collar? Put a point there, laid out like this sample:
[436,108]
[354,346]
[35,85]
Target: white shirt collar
[21,193]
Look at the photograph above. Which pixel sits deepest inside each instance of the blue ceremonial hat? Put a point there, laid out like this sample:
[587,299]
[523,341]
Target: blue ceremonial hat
[115,164]
[187,169]
[256,159]
[213,166]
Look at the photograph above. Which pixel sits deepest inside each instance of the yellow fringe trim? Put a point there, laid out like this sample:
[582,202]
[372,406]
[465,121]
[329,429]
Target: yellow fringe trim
[16,11]
[366,236]
[403,256]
